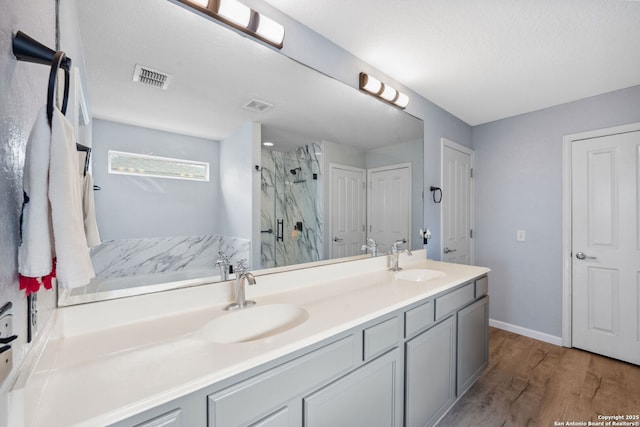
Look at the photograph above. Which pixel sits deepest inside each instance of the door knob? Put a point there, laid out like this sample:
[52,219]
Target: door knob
[582,255]
[447,250]
[336,239]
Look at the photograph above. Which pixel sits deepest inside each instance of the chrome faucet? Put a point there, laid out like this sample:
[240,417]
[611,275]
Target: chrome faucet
[223,264]
[242,273]
[395,254]
[372,246]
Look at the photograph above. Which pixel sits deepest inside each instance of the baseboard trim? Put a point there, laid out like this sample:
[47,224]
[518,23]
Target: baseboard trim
[536,335]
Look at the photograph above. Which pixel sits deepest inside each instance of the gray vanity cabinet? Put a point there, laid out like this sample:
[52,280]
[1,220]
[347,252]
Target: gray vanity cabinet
[274,398]
[406,368]
[430,381]
[170,419]
[370,396]
[473,343]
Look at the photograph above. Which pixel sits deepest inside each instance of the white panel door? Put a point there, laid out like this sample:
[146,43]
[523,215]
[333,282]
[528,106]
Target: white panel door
[348,194]
[456,204]
[606,245]
[389,205]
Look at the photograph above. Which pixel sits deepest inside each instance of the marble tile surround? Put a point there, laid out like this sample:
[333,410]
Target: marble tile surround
[292,198]
[126,263]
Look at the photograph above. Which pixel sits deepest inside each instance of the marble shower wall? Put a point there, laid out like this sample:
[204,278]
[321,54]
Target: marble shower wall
[125,263]
[292,199]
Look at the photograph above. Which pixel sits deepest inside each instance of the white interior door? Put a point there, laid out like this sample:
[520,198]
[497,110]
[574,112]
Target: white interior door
[389,205]
[456,203]
[348,194]
[606,245]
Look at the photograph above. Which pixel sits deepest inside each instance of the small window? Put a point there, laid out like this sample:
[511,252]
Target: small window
[159,167]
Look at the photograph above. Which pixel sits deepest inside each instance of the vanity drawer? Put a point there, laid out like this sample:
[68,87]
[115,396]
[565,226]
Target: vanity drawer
[418,318]
[381,337]
[454,300]
[171,419]
[482,287]
[259,396]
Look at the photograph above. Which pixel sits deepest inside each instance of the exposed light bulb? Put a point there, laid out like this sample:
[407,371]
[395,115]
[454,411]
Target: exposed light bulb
[235,12]
[270,30]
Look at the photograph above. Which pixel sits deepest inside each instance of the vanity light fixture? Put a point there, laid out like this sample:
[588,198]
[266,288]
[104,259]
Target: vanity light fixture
[242,18]
[376,87]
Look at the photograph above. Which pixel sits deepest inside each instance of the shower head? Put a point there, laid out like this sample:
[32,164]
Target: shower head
[293,171]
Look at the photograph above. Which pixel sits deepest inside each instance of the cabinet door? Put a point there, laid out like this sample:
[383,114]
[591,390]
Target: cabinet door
[283,386]
[370,396]
[280,418]
[430,374]
[473,343]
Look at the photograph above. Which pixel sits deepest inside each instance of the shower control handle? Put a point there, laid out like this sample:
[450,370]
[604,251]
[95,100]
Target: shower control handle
[280,230]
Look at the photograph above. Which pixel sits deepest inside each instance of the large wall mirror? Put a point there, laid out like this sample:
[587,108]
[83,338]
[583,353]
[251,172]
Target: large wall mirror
[182,108]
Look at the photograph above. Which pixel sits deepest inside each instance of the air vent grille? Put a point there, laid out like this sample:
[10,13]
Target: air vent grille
[151,77]
[258,106]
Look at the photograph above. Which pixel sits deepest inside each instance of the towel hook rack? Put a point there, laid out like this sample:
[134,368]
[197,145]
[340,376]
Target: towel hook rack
[28,49]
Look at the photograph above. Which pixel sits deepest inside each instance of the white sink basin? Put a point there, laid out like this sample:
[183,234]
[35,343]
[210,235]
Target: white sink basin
[418,275]
[254,323]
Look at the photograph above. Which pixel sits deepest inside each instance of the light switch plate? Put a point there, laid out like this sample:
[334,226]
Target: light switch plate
[521,236]
[6,362]
[6,326]
[32,316]
[6,356]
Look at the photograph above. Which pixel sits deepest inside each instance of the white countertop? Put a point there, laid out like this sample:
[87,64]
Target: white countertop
[104,362]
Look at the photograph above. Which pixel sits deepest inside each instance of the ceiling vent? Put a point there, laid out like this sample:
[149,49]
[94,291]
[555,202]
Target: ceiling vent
[151,77]
[257,106]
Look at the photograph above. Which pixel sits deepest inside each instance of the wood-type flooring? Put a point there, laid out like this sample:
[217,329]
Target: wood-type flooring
[533,383]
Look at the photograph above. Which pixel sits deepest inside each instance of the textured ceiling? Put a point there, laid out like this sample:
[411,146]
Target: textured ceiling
[215,73]
[483,60]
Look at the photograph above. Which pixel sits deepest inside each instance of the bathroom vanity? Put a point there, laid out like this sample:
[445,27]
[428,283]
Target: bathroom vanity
[348,344]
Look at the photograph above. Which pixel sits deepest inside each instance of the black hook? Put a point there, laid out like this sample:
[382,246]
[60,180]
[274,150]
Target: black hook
[28,49]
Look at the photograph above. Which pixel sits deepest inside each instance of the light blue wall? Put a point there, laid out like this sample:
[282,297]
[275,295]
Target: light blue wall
[518,185]
[23,91]
[236,180]
[130,206]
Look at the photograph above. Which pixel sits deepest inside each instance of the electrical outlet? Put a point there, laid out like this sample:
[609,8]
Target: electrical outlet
[32,316]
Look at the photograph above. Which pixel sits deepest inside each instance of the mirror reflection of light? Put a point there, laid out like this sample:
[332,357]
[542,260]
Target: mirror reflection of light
[270,30]
[235,12]
[267,144]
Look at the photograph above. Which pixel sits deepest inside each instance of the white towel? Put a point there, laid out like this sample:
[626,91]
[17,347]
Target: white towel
[73,266]
[89,210]
[35,252]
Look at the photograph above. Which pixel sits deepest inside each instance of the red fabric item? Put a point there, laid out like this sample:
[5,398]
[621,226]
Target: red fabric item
[32,284]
